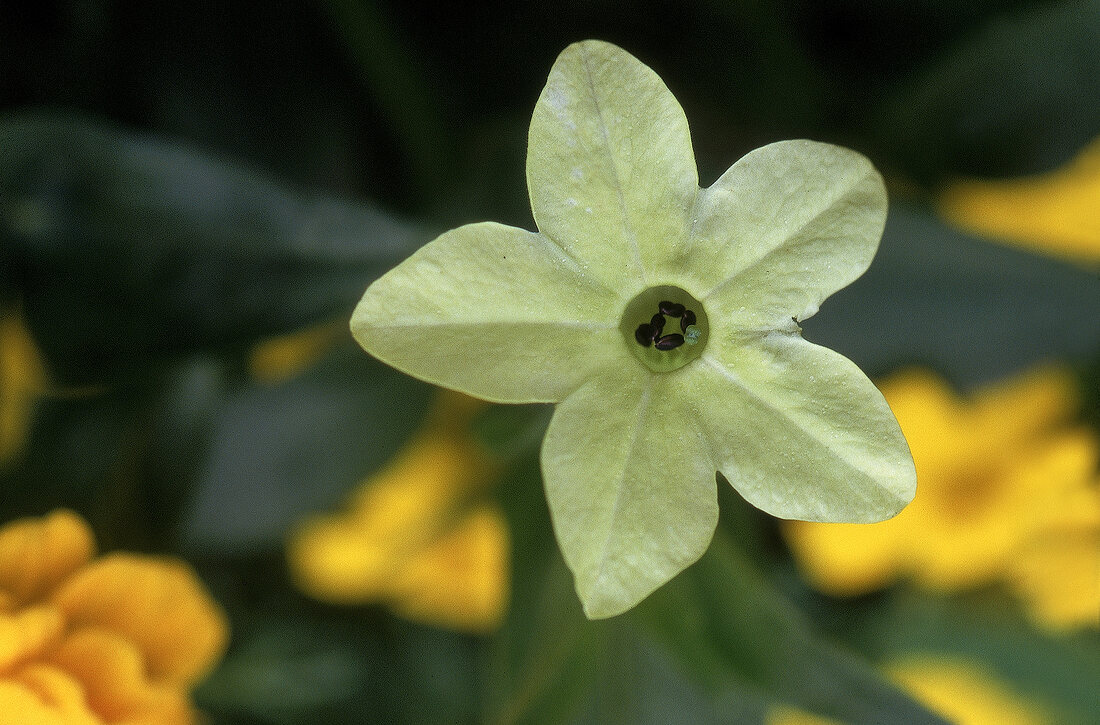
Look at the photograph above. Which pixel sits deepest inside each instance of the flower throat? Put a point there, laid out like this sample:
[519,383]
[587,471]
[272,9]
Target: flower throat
[665,327]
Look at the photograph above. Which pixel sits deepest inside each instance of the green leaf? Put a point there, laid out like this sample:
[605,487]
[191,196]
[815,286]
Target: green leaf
[292,665]
[286,672]
[974,310]
[715,645]
[1059,670]
[550,665]
[128,249]
[725,624]
[279,452]
[512,430]
[1019,96]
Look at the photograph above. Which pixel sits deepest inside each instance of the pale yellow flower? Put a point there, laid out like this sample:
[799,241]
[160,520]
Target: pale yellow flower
[119,639]
[417,535]
[1055,212]
[1008,493]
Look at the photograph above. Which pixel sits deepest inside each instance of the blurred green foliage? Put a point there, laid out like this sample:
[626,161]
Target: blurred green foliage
[179,181]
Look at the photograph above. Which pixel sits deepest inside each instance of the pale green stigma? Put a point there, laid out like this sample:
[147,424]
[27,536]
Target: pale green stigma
[665,328]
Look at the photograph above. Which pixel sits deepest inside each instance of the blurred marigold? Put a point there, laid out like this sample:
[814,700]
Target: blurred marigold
[1055,212]
[281,358]
[96,641]
[1008,493]
[964,692]
[960,691]
[22,377]
[416,535]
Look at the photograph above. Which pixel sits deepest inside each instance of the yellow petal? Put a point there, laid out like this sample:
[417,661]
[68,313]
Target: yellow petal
[36,555]
[333,559]
[845,560]
[787,715]
[460,581]
[22,377]
[282,358]
[28,633]
[1038,400]
[354,556]
[1058,577]
[43,695]
[113,673]
[1054,213]
[965,694]
[157,603]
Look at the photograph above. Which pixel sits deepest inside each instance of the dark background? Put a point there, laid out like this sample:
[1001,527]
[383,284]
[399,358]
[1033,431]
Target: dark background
[183,180]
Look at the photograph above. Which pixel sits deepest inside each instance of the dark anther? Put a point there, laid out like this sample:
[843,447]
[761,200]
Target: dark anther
[658,324]
[686,320]
[645,334]
[668,342]
[672,309]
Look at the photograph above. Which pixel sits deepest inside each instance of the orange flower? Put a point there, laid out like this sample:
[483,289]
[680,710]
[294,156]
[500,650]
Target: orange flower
[114,640]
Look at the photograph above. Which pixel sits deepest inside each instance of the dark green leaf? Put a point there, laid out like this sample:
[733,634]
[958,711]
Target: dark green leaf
[510,430]
[715,642]
[128,248]
[974,310]
[1019,96]
[1059,670]
[726,625]
[279,452]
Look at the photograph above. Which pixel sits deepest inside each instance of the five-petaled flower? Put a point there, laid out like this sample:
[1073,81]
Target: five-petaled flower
[592,313]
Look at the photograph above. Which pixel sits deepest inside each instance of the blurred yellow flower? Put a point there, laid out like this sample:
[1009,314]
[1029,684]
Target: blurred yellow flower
[1055,212]
[416,535]
[281,358]
[960,692]
[789,715]
[1007,493]
[98,641]
[964,693]
[22,377]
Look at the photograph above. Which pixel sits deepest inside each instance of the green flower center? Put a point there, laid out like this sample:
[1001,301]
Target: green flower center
[665,328]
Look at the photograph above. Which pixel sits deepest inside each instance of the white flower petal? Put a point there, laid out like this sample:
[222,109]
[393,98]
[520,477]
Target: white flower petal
[800,431]
[630,485]
[493,311]
[784,228]
[609,164]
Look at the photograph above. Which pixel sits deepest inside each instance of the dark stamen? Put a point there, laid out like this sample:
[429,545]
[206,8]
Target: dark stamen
[669,342]
[658,324]
[687,320]
[645,334]
[672,309]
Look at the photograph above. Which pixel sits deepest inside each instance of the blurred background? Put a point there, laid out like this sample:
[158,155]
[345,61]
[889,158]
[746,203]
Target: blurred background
[193,196]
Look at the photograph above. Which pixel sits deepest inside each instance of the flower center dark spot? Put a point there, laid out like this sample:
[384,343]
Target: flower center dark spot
[665,327]
[651,333]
